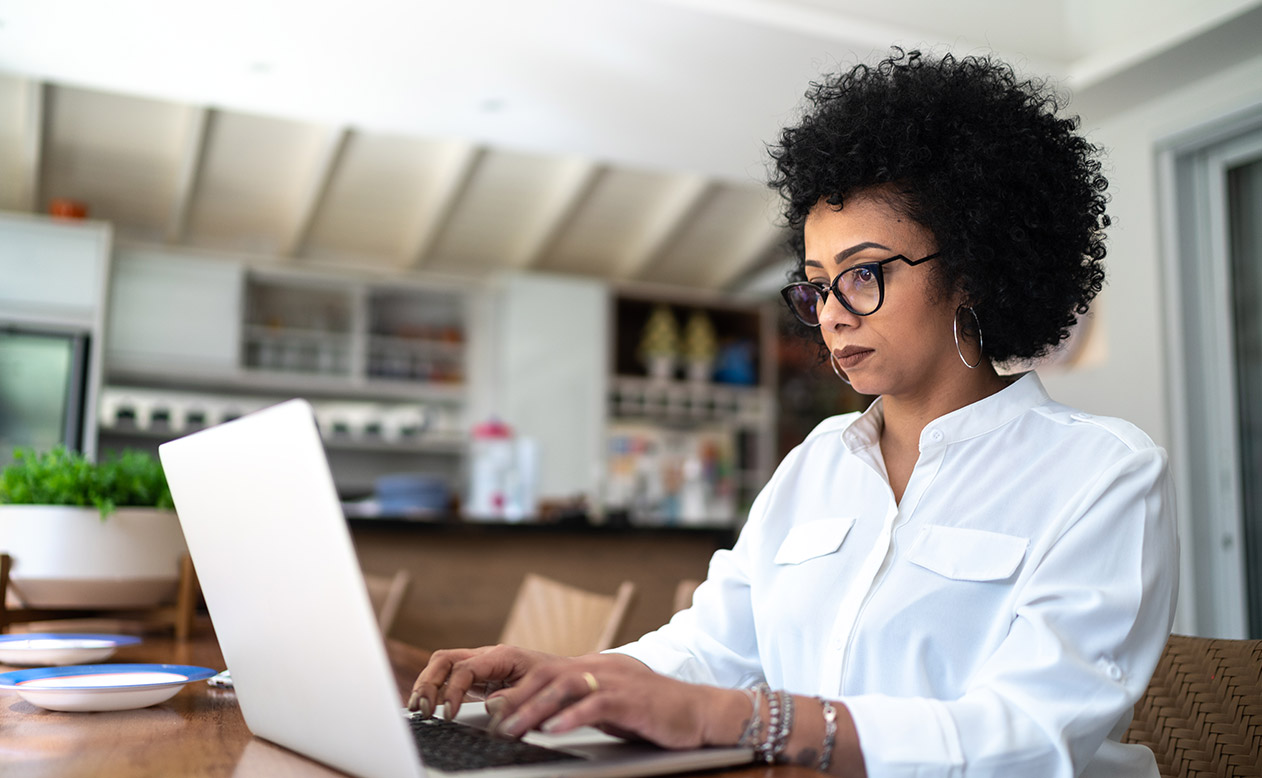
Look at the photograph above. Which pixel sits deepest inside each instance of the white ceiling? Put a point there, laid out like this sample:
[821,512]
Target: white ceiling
[623,139]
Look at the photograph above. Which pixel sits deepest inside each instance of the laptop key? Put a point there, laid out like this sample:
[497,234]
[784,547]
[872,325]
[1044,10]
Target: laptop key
[446,745]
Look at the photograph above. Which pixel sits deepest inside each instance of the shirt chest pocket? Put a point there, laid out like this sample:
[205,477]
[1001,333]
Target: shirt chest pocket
[813,539]
[963,554]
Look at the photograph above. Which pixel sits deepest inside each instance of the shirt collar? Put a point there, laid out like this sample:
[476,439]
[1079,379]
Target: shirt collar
[979,418]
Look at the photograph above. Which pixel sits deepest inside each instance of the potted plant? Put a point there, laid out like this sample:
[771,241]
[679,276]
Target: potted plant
[89,535]
[700,346]
[659,343]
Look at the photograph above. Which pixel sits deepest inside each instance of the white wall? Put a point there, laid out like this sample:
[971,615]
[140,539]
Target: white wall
[1131,381]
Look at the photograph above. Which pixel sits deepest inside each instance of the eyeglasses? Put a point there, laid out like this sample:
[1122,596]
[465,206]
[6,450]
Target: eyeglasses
[860,288]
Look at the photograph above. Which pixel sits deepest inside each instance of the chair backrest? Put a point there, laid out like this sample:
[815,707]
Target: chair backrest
[386,593]
[1202,712]
[560,619]
[683,593]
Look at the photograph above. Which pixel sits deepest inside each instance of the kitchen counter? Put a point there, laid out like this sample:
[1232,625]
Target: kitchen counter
[465,574]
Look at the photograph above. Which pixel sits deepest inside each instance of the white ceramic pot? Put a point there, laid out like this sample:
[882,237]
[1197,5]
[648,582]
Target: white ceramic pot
[661,367]
[67,557]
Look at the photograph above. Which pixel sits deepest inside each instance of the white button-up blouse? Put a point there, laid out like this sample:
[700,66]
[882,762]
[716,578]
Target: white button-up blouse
[1001,620]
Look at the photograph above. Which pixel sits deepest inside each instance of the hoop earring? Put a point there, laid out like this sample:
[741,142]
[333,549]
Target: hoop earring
[832,360]
[955,330]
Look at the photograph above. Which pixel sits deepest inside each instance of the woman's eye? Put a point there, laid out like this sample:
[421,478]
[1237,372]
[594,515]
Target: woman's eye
[864,275]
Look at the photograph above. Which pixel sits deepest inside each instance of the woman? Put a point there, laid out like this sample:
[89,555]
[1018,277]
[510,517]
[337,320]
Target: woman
[965,579]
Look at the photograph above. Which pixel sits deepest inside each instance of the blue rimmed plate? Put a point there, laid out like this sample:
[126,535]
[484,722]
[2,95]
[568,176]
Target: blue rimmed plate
[101,687]
[59,648]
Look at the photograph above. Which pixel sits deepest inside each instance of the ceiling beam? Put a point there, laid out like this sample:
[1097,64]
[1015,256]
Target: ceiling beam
[196,125]
[34,133]
[569,190]
[676,209]
[750,248]
[456,169]
[323,169]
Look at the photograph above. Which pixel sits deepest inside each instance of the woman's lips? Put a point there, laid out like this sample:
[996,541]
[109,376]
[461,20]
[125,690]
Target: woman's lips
[851,356]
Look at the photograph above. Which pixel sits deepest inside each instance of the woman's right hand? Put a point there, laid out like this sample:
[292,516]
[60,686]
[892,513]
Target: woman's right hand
[453,673]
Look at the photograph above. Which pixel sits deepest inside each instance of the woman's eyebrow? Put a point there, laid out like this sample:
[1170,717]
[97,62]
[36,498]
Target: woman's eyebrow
[845,254]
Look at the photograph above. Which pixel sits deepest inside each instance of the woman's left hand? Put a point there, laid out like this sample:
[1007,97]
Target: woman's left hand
[619,695]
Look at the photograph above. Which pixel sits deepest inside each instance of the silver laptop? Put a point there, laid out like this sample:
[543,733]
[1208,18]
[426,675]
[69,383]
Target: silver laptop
[274,556]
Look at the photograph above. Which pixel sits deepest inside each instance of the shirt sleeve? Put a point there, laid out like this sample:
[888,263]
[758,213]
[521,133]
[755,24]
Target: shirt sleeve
[1090,621]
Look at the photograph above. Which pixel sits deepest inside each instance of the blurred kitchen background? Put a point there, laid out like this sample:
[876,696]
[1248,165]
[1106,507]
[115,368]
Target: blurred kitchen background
[520,257]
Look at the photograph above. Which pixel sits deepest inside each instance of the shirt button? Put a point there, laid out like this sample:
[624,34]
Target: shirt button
[937,436]
[1080,416]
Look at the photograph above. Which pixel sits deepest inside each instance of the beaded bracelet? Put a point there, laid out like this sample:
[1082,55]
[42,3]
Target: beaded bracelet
[750,735]
[766,749]
[830,735]
[786,724]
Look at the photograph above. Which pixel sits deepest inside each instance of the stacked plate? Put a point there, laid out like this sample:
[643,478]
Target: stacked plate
[87,687]
[28,650]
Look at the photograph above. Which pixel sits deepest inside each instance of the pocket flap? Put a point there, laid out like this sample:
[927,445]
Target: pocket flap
[968,554]
[813,539]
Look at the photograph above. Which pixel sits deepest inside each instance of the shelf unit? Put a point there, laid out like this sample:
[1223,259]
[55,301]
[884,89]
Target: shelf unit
[384,365]
[714,430]
[370,336]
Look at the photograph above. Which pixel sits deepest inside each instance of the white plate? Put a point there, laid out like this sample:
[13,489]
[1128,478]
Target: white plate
[101,687]
[59,648]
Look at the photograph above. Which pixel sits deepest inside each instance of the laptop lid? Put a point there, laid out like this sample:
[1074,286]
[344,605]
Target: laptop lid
[277,567]
[274,557]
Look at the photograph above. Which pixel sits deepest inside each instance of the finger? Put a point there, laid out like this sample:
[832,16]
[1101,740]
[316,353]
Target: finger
[494,664]
[426,688]
[562,691]
[591,710]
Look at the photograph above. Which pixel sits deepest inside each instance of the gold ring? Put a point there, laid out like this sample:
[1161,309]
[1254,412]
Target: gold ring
[591,682]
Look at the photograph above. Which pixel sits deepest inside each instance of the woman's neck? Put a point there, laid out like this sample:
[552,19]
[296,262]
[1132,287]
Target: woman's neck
[907,416]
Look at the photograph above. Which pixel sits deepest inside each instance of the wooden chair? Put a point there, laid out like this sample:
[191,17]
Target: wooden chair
[683,593]
[551,616]
[178,615]
[387,593]
[1202,712]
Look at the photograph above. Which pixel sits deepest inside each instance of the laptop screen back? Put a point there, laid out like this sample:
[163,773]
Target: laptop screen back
[278,570]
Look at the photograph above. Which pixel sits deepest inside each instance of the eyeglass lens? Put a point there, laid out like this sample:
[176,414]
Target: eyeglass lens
[859,289]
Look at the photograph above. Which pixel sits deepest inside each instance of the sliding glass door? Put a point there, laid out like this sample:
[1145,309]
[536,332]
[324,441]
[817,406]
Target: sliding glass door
[1213,218]
[1244,217]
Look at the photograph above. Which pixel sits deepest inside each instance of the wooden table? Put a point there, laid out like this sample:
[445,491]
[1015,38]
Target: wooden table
[199,732]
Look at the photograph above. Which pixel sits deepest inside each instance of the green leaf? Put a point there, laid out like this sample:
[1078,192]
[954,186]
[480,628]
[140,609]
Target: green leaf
[63,477]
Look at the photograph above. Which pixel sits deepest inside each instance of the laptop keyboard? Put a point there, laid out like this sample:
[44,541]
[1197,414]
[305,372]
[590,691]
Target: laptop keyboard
[452,747]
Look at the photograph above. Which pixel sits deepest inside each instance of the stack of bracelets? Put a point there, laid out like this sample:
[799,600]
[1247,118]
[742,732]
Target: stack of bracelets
[780,722]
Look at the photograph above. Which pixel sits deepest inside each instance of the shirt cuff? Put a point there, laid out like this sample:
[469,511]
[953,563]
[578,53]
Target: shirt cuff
[904,737]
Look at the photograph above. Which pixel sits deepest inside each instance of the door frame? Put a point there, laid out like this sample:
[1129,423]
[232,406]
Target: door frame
[1201,370]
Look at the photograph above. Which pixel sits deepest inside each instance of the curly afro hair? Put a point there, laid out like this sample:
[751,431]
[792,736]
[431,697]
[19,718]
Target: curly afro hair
[1012,194]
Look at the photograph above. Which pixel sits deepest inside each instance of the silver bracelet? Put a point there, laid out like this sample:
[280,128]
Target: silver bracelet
[786,724]
[767,749]
[830,735]
[750,736]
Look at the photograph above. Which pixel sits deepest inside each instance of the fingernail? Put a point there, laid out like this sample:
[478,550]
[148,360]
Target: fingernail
[493,725]
[511,726]
[448,710]
[551,724]
[412,700]
[426,708]
[495,705]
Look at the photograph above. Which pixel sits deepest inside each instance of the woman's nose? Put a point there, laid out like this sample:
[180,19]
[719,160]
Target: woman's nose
[833,315]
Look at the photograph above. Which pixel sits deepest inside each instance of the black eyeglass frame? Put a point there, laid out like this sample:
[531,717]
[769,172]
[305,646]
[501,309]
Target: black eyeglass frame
[823,289]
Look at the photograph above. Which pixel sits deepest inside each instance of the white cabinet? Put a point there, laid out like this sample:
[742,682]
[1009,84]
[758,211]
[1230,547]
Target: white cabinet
[174,314]
[52,271]
[196,340]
